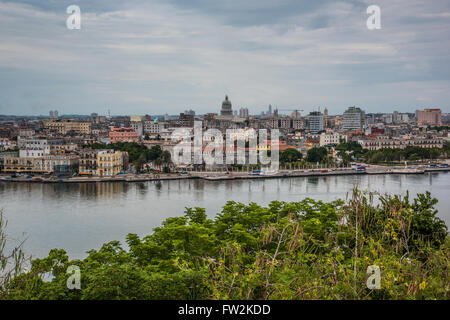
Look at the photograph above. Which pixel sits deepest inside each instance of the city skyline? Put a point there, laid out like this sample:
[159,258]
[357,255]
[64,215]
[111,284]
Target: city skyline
[169,56]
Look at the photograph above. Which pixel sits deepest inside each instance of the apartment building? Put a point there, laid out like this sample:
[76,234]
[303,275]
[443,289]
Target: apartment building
[56,163]
[332,138]
[154,127]
[45,164]
[401,143]
[64,126]
[33,148]
[315,121]
[110,163]
[353,119]
[88,162]
[7,144]
[124,134]
[429,117]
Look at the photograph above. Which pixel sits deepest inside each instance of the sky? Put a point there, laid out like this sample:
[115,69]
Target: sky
[139,57]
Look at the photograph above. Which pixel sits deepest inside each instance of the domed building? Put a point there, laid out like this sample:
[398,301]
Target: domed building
[226,110]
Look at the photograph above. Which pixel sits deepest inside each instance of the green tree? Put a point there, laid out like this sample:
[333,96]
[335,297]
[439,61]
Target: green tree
[290,155]
[317,154]
[308,249]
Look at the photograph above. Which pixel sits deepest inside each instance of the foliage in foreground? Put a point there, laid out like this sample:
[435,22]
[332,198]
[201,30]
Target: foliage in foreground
[300,250]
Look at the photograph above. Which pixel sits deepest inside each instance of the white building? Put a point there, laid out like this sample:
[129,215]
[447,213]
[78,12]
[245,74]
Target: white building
[297,124]
[138,126]
[6,144]
[353,119]
[154,127]
[33,148]
[401,143]
[315,122]
[332,138]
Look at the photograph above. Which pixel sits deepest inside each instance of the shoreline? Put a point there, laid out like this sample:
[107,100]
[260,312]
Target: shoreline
[214,176]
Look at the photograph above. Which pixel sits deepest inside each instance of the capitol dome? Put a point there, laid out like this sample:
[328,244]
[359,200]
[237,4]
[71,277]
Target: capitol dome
[226,108]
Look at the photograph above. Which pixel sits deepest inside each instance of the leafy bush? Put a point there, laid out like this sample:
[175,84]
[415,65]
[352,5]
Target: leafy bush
[299,250]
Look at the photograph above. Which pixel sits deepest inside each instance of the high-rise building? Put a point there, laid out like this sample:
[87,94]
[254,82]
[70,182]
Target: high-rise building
[429,117]
[53,114]
[243,113]
[354,119]
[137,126]
[315,121]
[227,110]
[325,118]
[396,117]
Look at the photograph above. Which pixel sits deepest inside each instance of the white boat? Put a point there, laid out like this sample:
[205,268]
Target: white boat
[268,172]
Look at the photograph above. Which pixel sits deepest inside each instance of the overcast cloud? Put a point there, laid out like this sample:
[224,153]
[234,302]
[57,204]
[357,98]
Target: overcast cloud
[154,56]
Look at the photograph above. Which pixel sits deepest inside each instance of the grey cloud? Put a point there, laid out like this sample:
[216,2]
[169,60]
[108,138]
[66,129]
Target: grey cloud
[164,56]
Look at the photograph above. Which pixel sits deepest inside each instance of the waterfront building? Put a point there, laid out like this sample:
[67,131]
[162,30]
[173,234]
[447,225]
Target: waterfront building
[109,162]
[45,164]
[381,142]
[33,148]
[59,164]
[14,163]
[88,162]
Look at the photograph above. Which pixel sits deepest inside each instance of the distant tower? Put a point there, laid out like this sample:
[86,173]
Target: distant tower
[296,114]
[270,109]
[325,118]
[53,114]
[227,110]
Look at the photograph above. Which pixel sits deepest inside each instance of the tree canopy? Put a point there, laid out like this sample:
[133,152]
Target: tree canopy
[287,250]
[290,155]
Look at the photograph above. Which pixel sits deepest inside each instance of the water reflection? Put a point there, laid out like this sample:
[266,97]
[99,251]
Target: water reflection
[79,217]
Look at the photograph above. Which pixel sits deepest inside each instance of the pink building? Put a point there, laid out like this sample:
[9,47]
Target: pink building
[430,117]
[125,134]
